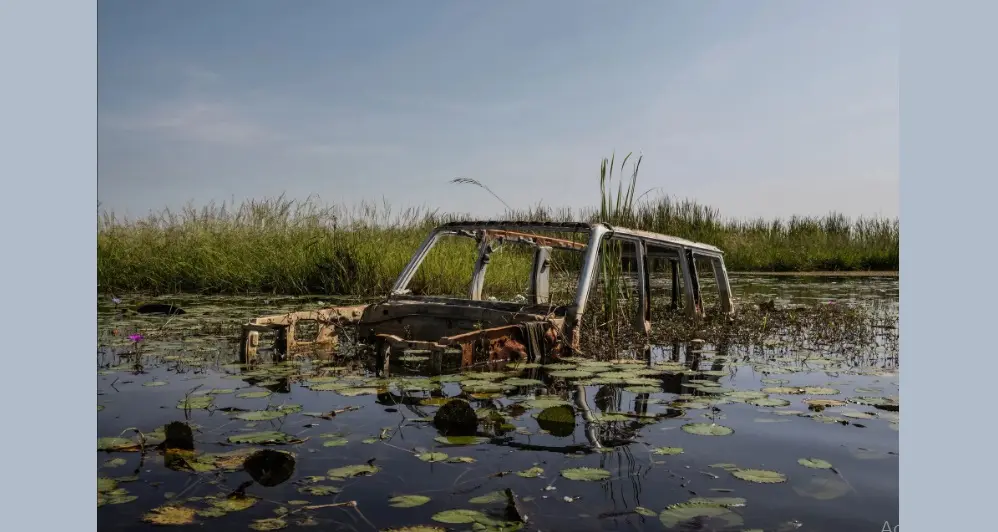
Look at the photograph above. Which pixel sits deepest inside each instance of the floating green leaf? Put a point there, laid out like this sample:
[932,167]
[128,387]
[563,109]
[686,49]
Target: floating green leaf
[319,490]
[460,440]
[170,515]
[784,390]
[517,381]
[336,442]
[459,517]
[361,470]
[533,472]
[645,511]
[354,392]
[760,476]
[544,402]
[768,401]
[643,389]
[115,462]
[263,438]
[677,514]
[461,460]
[117,444]
[707,429]
[260,415]
[589,474]
[408,501]
[818,390]
[432,457]
[270,523]
[200,402]
[234,504]
[489,498]
[814,463]
[727,502]
[154,383]
[254,395]
[666,451]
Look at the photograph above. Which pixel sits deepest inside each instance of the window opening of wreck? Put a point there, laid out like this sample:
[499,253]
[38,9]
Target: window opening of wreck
[666,281]
[516,269]
[613,303]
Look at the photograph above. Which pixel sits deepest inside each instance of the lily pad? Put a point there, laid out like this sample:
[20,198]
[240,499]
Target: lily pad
[264,438]
[677,514]
[460,440]
[335,442]
[489,498]
[154,383]
[200,402]
[517,381]
[727,502]
[270,523]
[545,402]
[459,517]
[707,429]
[432,457]
[640,510]
[461,460]
[588,474]
[260,415]
[255,395]
[117,444]
[666,451]
[643,389]
[360,470]
[354,392]
[408,501]
[768,401]
[170,515]
[814,463]
[234,504]
[818,390]
[533,472]
[319,490]
[760,476]
[784,390]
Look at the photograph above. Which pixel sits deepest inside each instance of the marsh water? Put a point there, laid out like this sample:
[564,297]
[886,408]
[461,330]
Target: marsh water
[753,437]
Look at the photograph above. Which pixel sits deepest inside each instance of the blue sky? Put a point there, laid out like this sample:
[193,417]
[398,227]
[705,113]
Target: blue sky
[762,108]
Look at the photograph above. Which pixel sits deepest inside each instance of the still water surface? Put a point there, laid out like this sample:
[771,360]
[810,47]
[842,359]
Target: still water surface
[632,409]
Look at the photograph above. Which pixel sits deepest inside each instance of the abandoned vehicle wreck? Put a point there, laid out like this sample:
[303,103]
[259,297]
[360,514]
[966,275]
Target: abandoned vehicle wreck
[567,268]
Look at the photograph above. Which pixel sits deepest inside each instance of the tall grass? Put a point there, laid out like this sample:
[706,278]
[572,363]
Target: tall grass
[297,247]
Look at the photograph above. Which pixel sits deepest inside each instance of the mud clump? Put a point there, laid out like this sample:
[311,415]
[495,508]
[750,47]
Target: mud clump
[178,436]
[456,418]
[270,468]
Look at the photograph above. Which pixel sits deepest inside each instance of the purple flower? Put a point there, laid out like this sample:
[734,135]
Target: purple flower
[116,301]
[135,337]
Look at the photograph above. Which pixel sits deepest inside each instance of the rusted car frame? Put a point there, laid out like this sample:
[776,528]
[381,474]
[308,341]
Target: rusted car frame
[477,329]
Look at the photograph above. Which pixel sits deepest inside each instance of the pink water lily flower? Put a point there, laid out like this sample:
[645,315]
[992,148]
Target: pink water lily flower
[135,337]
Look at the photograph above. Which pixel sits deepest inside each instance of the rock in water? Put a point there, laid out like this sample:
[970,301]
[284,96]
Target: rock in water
[456,418]
[178,436]
[270,468]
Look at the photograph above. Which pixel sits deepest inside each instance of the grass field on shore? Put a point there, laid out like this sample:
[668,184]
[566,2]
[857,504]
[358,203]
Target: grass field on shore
[299,247]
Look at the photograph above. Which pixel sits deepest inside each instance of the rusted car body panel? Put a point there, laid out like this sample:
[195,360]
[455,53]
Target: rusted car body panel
[476,329]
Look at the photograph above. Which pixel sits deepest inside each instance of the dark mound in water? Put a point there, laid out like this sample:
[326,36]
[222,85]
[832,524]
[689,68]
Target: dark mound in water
[270,468]
[456,418]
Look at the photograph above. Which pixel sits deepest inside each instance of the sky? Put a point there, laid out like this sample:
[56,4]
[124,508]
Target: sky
[759,109]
